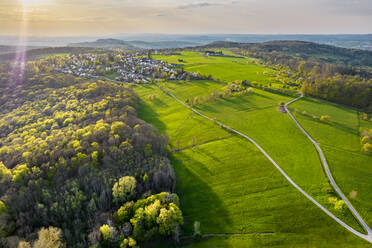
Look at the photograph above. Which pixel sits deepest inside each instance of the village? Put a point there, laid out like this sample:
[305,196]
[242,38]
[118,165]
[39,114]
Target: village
[125,68]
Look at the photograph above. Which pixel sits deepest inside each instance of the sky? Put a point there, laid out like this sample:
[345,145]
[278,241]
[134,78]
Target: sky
[107,17]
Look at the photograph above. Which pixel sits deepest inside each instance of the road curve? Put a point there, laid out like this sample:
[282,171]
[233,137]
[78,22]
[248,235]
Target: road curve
[327,170]
[367,237]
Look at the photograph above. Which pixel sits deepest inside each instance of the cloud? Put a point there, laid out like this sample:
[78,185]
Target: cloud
[197,5]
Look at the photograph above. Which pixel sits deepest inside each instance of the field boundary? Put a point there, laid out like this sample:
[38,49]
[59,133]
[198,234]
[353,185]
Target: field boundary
[367,237]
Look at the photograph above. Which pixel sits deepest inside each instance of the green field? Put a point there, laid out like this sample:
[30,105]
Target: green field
[340,140]
[257,115]
[229,186]
[183,126]
[191,89]
[225,69]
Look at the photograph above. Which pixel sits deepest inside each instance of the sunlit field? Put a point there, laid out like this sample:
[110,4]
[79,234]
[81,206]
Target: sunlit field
[340,139]
[231,188]
[225,69]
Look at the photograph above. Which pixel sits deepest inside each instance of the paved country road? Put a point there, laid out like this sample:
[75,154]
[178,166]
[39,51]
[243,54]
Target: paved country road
[329,174]
[367,237]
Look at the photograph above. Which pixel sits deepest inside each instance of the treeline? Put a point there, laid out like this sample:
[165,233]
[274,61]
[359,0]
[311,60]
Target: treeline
[348,90]
[64,145]
[341,84]
[302,50]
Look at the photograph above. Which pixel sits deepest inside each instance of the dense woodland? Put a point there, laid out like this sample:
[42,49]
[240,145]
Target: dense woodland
[75,162]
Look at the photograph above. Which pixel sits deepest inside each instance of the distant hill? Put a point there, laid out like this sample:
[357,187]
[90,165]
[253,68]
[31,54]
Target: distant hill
[304,50]
[162,44]
[105,44]
[40,52]
[133,45]
[11,49]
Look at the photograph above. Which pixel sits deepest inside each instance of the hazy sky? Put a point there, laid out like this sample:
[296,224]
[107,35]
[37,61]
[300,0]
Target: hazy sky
[84,17]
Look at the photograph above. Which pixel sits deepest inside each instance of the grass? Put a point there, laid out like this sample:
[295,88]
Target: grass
[257,116]
[228,185]
[183,126]
[191,89]
[225,69]
[340,140]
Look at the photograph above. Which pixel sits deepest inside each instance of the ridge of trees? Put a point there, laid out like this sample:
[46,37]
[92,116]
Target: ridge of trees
[64,143]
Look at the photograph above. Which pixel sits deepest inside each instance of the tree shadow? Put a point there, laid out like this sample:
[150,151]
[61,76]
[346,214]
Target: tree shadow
[337,125]
[148,114]
[198,200]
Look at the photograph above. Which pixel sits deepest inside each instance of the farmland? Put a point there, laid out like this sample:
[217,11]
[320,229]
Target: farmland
[340,139]
[231,188]
[225,69]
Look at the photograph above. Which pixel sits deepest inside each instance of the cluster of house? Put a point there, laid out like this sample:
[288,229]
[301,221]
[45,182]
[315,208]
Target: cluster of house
[123,68]
[213,53]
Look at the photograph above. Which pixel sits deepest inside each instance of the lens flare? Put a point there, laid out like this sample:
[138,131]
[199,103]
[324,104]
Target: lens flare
[19,63]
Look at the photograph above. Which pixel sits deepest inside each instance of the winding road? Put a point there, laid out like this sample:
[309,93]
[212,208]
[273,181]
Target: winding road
[367,237]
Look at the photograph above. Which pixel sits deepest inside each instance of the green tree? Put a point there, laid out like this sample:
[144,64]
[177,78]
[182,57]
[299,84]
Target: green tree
[325,118]
[124,213]
[20,172]
[4,171]
[7,225]
[124,190]
[105,231]
[169,219]
[50,237]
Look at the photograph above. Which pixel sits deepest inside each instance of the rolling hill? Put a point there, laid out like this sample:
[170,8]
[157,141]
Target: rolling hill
[303,50]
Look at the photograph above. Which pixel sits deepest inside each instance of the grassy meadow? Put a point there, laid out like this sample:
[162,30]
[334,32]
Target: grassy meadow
[225,69]
[226,184]
[229,186]
[257,115]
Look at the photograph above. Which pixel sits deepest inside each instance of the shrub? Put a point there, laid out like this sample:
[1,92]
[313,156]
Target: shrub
[367,148]
[197,231]
[124,190]
[325,118]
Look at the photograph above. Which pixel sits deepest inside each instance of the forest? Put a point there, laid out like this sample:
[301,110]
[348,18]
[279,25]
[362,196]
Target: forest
[78,168]
[344,84]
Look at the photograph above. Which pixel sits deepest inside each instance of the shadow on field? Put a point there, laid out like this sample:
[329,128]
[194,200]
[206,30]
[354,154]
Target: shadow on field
[335,105]
[198,201]
[159,102]
[147,113]
[336,125]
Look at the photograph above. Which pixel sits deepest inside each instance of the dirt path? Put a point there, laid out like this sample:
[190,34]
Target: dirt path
[367,237]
